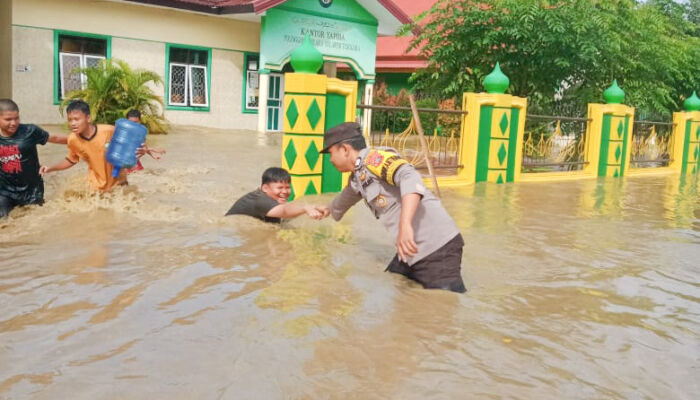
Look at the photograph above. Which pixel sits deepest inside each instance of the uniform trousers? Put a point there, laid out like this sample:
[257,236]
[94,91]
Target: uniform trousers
[441,269]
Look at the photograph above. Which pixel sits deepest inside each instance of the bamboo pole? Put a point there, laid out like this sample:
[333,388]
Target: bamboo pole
[424,144]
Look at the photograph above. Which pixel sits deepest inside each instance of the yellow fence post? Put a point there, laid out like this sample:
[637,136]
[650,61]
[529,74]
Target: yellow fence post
[685,155]
[312,104]
[609,135]
[492,133]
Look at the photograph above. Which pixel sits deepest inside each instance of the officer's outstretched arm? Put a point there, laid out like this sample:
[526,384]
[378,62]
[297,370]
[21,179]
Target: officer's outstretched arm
[342,203]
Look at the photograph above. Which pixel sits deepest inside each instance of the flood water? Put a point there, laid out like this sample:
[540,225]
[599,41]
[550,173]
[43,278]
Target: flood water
[577,290]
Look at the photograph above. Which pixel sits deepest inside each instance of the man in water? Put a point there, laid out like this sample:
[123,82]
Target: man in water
[88,142]
[429,245]
[269,202]
[20,182]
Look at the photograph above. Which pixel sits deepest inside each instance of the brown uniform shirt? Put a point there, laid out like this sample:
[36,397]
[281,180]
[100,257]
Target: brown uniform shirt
[92,151]
[381,178]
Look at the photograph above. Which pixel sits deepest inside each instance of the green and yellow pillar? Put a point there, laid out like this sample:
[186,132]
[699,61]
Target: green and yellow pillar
[685,155]
[341,105]
[609,135]
[492,133]
[312,104]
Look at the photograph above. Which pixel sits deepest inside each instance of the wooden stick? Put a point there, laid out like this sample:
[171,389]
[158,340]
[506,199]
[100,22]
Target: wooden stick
[423,143]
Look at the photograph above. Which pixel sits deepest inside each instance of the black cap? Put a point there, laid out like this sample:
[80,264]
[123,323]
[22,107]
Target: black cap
[340,133]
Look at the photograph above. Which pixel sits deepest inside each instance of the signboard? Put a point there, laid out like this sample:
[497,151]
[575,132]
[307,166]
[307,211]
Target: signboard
[353,40]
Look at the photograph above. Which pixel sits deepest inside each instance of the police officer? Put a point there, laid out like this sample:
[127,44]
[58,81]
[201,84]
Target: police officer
[429,245]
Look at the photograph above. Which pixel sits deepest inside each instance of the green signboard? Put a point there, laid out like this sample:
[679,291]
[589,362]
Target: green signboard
[341,30]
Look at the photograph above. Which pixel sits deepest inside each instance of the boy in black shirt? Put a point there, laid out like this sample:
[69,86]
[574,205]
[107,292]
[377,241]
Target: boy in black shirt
[269,202]
[20,182]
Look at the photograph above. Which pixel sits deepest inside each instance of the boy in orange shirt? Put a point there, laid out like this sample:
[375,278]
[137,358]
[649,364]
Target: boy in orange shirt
[88,142]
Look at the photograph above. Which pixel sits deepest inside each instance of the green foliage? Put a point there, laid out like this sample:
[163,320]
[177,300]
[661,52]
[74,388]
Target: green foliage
[397,121]
[114,88]
[563,54]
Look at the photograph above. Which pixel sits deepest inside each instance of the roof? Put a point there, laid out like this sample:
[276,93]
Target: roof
[218,7]
[392,54]
[390,16]
[393,57]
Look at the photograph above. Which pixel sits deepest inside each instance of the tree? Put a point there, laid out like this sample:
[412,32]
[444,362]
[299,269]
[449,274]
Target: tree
[561,54]
[114,88]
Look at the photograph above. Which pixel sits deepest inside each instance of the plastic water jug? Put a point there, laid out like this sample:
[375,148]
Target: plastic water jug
[121,152]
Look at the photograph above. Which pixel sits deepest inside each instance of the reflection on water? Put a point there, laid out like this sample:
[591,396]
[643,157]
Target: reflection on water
[585,289]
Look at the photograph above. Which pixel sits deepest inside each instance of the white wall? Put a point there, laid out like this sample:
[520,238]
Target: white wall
[139,22]
[149,28]
[32,90]
[5,48]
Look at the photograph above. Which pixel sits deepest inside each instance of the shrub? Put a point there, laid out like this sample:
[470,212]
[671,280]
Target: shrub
[114,88]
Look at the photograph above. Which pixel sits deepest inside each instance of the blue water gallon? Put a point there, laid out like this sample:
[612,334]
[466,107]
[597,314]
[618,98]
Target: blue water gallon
[121,152]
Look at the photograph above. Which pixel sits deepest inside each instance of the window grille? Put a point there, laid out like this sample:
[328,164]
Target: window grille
[188,83]
[198,86]
[92,61]
[252,82]
[178,84]
[78,52]
[70,79]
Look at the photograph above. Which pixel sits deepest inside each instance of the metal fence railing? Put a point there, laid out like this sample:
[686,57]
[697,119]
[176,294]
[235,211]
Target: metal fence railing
[393,126]
[550,143]
[651,144]
[554,143]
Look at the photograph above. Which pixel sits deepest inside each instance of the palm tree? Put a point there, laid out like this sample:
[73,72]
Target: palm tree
[114,88]
[138,95]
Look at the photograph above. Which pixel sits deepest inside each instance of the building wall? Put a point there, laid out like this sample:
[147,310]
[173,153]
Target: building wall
[5,48]
[395,81]
[32,90]
[138,22]
[139,35]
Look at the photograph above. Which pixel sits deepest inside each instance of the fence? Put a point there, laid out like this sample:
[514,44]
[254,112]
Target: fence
[550,143]
[393,126]
[651,144]
[554,143]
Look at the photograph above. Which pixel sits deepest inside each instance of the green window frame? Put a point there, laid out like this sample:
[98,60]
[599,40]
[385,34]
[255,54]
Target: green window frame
[57,56]
[248,57]
[167,84]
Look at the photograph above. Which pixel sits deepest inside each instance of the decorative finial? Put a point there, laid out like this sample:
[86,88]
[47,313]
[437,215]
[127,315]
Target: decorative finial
[692,103]
[496,81]
[306,59]
[613,94]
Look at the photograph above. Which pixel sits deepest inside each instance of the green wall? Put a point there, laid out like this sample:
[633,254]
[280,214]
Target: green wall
[395,82]
[344,30]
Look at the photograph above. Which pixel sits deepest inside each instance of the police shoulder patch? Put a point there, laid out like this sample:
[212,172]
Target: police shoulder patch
[384,164]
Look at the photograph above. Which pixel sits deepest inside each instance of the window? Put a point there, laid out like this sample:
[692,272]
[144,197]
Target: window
[251,79]
[75,51]
[188,76]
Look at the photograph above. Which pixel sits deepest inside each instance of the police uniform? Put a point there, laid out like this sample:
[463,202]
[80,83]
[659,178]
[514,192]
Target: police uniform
[382,178]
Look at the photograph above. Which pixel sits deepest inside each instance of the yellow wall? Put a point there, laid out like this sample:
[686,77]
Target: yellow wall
[138,22]
[680,122]
[5,48]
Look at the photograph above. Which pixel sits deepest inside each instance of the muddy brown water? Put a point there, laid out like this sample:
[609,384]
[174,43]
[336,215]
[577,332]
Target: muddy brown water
[577,290]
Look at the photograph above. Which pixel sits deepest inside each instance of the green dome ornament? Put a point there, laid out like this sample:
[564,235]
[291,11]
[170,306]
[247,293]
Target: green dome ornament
[692,103]
[306,59]
[496,82]
[613,94]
